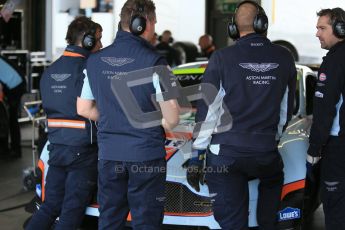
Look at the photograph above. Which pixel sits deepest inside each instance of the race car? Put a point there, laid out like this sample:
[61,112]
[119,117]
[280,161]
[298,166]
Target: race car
[188,208]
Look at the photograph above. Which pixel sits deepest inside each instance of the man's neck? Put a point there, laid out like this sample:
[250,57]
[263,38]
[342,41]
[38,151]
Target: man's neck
[244,33]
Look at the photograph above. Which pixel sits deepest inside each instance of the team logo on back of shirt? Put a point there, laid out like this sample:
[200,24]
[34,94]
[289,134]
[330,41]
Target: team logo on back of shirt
[60,77]
[259,67]
[113,61]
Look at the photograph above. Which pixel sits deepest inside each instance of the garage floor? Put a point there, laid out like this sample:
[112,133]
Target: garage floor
[13,197]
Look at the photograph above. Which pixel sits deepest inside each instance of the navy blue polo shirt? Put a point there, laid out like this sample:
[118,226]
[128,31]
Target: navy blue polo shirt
[117,139]
[259,80]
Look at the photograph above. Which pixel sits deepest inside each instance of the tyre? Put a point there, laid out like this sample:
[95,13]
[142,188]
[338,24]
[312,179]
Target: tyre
[290,48]
[188,50]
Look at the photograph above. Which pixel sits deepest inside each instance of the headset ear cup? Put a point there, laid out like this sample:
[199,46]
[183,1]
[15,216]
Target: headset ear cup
[339,29]
[138,25]
[232,31]
[260,23]
[89,42]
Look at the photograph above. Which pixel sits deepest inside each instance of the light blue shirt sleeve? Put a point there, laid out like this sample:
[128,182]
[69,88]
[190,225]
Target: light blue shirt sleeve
[8,75]
[86,92]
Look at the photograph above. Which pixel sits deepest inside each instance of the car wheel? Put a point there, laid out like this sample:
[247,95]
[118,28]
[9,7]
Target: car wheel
[290,48]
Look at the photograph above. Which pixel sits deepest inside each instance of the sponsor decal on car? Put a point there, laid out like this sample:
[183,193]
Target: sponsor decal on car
[189,77]
[322,77]
[289,213]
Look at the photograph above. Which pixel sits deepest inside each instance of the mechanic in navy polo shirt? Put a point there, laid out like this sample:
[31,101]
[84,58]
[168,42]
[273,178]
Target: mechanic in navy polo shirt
[256,81]
[132,165]
[72,172]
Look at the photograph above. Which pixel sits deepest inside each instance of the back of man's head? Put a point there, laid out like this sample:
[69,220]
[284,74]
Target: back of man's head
[134,7]
[78,28]
[245,16]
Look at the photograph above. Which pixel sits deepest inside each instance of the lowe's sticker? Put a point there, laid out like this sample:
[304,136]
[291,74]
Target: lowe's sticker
[289,214]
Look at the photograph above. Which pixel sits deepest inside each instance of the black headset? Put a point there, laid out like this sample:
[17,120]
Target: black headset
[137,24]
[89,38]
[260,23]
[338,23]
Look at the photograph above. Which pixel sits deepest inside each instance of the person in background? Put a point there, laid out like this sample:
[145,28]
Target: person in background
[260,111]
[3,126]
[98,38]
[166,50]
[206,45]
[1,92]
[154,40]
[72,174]
[327,135]
[14,88]
[132,165]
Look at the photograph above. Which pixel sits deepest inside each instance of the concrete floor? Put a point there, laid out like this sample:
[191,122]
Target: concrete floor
[14,197]
[12,193]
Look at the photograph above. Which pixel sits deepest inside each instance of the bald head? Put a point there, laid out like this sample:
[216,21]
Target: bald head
[205,41]
[245,16]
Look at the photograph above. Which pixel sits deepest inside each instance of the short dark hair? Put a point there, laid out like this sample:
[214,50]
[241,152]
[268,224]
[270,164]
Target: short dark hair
[333,14]
[131,7]
[78,28]
[98,26]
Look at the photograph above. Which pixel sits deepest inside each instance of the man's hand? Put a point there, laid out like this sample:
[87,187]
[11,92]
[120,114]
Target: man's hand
[310,165]
[195,172]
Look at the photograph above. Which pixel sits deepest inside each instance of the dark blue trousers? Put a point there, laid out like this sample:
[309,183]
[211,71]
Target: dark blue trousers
[228,180]
[333,184]
[70,182]
[138,187]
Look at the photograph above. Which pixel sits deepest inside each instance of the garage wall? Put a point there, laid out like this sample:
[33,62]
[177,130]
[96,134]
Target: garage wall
[185,19]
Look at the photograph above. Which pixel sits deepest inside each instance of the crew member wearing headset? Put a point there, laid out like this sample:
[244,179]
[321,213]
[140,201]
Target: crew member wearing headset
[72,173]
[165,49]
[327,135]
[256,82]
[132,165]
